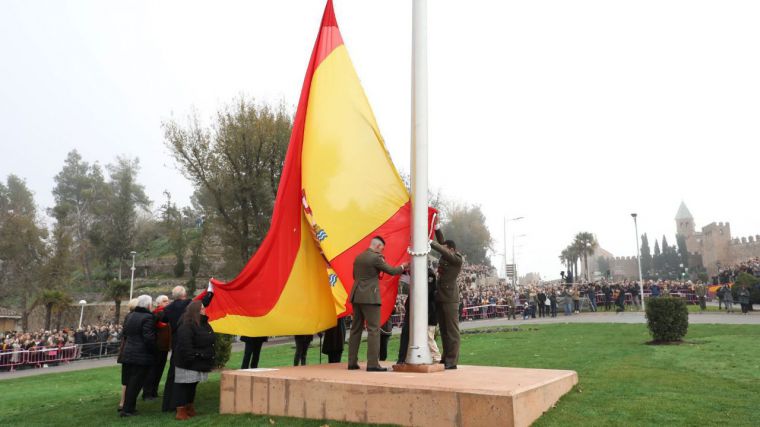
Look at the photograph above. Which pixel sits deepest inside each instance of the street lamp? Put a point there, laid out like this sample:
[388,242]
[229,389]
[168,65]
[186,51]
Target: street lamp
[638,258]
[81,312]
[505,245]
[514,263]
[132,282]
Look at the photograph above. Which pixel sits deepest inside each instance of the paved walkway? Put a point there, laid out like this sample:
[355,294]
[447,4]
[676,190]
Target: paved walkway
[752,318]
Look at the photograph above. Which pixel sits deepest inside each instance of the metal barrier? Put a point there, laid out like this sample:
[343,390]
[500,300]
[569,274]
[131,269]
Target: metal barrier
[10,360]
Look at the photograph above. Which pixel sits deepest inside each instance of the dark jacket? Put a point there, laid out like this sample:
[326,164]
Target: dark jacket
[194,346]
[334,338]
[140,338]
[173,312]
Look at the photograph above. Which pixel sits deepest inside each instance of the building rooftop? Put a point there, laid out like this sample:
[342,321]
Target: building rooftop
[683,212]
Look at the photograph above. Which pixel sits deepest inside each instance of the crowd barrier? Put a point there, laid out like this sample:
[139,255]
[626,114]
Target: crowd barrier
[11,360]
[38,357]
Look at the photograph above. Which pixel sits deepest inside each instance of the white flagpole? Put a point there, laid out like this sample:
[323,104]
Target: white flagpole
[419,353]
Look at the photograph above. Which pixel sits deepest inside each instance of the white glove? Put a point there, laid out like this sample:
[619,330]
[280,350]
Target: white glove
[210,287]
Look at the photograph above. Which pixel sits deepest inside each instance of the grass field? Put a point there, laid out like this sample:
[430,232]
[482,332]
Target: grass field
[713,379]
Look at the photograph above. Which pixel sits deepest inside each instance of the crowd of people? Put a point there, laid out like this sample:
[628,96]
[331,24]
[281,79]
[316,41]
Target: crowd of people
[729,273]
[91,341]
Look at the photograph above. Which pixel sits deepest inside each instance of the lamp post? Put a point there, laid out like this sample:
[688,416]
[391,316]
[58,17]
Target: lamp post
[638,258]
[132,281]
[514,263]
[81,312]
[505,245]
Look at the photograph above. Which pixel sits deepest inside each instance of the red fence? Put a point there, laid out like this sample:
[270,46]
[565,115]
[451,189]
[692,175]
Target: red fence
[37,358]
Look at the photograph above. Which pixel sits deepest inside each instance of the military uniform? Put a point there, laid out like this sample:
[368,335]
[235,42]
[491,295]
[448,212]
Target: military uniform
[701,291]
[365,297]
[447,300]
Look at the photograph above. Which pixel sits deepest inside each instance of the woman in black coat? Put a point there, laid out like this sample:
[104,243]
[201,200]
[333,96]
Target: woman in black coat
[139,347]
[334,340]
[194,359]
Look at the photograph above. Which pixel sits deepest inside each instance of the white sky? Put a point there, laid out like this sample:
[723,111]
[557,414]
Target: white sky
[571,114]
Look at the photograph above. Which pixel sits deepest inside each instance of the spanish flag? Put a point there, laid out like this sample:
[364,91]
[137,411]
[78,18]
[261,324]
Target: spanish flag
[338,189]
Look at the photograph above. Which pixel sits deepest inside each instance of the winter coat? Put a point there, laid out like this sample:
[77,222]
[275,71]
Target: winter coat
[194,345]
[743,296]
[334,338]
[140,338]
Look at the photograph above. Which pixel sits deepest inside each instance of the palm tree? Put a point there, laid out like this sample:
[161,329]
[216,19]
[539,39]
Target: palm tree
[53,299]
[117,291]
[586,245]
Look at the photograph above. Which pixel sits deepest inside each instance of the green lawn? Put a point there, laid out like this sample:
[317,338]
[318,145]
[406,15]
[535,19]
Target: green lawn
[712,380]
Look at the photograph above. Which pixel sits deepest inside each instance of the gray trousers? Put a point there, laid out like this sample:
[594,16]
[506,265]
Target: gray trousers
[371,314]
[448,323]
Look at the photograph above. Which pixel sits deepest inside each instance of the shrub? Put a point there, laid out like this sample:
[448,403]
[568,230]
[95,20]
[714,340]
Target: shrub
[667,319]
[222,349]
[752,283]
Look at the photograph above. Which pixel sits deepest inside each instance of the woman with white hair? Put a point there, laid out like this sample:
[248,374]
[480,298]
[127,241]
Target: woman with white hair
[139,347]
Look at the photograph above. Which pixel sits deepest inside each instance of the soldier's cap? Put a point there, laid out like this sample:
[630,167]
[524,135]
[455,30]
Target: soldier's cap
[380,239]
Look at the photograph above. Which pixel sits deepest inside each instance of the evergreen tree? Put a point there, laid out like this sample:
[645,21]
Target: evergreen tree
[78,187]
[646,257]
[656,260]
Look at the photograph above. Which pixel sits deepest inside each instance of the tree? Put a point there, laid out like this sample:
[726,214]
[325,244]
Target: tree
[198,240]
[22,247]
[54,300]
[656,260]
[466,225]
[683,253]
[586,244]
[78,187]
[117,291]
[173,226]
[116,213]
[235,166]
[604,265]
[570,256]
[646,257]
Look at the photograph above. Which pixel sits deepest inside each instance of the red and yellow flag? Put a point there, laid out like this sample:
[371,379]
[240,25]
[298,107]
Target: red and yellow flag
[338,189]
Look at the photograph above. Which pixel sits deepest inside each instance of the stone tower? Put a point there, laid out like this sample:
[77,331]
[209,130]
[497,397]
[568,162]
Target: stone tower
[684,222]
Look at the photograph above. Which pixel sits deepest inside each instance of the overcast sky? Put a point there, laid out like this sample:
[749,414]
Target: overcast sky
[572,114]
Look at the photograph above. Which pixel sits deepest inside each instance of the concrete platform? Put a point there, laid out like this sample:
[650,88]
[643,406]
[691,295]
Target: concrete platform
[468,396]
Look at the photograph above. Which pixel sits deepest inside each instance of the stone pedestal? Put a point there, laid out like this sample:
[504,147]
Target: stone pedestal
[467,396]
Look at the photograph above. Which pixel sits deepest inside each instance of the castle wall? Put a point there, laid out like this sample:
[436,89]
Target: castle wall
[744,248]
[716,242]
[624,268]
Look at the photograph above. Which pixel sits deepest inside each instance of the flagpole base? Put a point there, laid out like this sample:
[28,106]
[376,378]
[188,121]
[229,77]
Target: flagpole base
[420,369]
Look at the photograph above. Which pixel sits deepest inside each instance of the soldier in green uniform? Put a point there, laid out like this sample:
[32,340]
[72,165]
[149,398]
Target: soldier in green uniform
[365,297]
[447,298]
[701,291]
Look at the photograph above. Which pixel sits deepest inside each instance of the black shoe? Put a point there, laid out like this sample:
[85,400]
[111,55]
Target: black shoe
[119,409]
[376,369]
[441,362]
[353,367]
[450,366]
[127,414]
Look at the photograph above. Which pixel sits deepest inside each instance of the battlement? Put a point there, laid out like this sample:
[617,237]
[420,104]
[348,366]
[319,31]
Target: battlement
[624,258]
[746,241]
